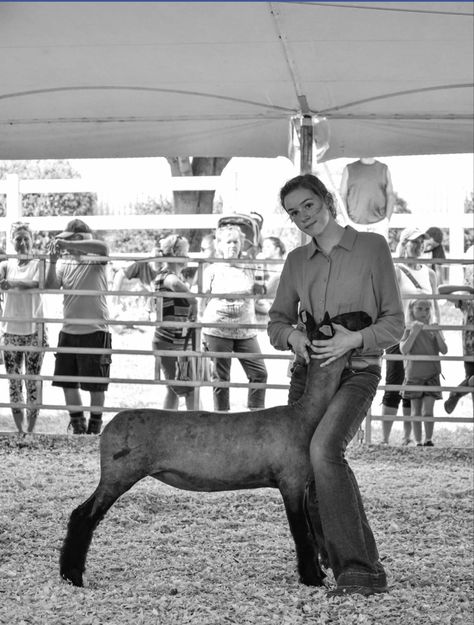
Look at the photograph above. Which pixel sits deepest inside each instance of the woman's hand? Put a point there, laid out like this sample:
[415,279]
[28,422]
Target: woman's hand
[300,343]
[342,342]
[4,285]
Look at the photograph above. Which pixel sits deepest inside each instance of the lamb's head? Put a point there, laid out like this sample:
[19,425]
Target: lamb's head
[325,330]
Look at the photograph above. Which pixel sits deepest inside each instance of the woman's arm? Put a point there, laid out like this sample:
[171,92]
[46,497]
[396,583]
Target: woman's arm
[85,246]
[284,310]
[389,325]
[434,290]
[18,284]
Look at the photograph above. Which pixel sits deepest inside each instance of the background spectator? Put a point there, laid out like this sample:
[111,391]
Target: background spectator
[418,340]
[273,248]
[466,306]
[17,277]
[236,311]
[180,309]
[81,274]
[434,243]
[413,278]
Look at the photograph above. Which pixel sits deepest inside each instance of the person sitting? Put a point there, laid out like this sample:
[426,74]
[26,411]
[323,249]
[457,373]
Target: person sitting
[236,312]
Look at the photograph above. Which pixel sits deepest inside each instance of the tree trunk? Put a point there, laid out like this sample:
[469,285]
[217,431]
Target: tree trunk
[195,202]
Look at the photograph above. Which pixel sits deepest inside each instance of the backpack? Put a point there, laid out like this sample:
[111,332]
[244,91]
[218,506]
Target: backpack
[251,226]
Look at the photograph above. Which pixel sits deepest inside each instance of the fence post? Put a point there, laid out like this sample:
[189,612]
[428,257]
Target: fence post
[13,208]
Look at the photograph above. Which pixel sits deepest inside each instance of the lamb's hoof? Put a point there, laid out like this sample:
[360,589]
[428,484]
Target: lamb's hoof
[312,580]
[74,577]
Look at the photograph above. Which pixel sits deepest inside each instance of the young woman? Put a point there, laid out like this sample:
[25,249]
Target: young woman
[339,271]
[417,340]
[17,277]
[234,312]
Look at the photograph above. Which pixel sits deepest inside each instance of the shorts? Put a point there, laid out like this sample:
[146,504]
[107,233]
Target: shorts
[434,381]
[86,365]
[394,374]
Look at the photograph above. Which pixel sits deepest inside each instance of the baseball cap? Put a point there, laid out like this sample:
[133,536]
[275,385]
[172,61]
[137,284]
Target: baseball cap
[411,234]
[76,226]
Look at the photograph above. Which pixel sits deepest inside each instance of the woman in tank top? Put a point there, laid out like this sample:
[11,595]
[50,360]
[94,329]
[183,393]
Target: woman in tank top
[413,279]
[20,329]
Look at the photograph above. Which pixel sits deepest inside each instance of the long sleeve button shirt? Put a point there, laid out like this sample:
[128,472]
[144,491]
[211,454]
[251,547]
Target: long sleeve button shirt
[357,274]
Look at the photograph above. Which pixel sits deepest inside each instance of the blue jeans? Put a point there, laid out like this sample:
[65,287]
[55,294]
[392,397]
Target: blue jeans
[348,541]
[255,370]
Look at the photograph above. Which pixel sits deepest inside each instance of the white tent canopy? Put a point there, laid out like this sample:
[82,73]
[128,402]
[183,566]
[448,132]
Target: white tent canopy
[117,79]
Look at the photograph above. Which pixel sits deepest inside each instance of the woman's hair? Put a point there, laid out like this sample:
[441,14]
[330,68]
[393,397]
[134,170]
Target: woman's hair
[312,183]
[20,226]
[222,232]
[174,245]
[411,305]
[278,243]
[437,235]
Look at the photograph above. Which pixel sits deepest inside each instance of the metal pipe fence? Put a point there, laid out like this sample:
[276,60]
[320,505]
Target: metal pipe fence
[198,328]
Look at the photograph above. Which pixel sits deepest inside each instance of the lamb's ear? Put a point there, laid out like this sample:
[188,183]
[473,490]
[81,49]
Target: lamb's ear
[325,329]
[309,323]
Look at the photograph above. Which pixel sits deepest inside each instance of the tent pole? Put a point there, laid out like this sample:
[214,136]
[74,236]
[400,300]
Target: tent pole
[306,145]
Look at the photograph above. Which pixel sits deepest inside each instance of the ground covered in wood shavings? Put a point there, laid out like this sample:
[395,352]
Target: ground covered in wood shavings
[163,556]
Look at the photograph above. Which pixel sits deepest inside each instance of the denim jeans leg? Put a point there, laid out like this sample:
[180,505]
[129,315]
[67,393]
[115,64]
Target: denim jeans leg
[255,370]
[348,537]
[221,370]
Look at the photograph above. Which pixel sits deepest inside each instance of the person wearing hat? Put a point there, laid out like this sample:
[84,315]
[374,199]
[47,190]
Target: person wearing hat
[74,272]
[413,278]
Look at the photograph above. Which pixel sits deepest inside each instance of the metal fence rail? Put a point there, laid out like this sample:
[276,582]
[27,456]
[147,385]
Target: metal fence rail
[155,355]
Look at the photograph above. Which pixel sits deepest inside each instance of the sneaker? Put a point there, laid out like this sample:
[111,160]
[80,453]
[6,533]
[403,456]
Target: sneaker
[419,444]
[406,442]
[428,444]
[94,426]
[78,426]
[452,401]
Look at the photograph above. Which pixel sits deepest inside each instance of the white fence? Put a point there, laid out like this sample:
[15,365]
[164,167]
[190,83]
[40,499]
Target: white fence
[14,188]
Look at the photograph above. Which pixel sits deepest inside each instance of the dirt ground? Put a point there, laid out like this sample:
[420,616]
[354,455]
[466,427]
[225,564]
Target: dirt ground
[167,557]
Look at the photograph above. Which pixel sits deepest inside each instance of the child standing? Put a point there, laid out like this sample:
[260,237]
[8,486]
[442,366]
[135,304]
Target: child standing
[418,340]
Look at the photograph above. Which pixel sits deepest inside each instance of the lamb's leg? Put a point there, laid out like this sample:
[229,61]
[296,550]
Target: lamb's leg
[82,523]
[310,573]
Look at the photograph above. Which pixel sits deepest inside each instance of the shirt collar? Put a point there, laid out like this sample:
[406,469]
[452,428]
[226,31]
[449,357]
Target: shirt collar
[347,242]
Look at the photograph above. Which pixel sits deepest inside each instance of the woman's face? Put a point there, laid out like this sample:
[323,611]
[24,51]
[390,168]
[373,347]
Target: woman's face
[230,245]
[415,247]
[23,242]
[307,211]
[429,244]
[269,249]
